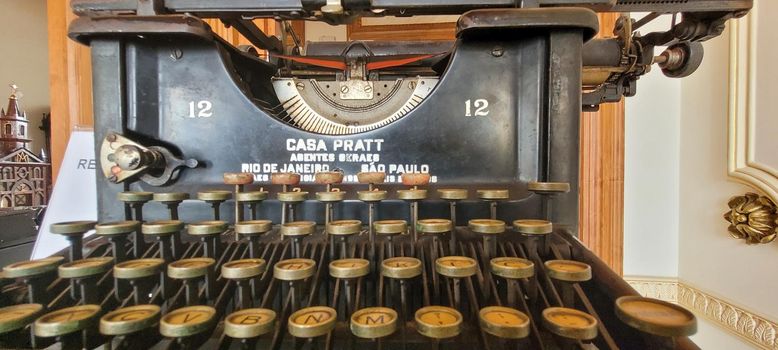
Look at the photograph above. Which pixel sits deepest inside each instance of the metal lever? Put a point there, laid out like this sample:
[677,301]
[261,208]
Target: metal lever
[122,159]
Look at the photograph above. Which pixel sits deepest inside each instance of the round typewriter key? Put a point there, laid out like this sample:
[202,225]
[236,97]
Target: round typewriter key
[656,317]
[253,227]
[238,178]
[244,268]
[434,225]
[493,194]
[415,179]
[533,227]
[138,268]
[330,196]
[249,323]
[129,319]
[292,196]
[438,322]
[284,178]
[512,268]
[298,228]
[214,195]
[452,194]
[328,177]
[344,227]
[85,267]
[374,322]
[390,227]
[253,196]
[486,226]
[162,227]
[372,196]
[117,228]
[349,268]
[570,323]
[548,187]
[189,268]
[312,322]
[294,269]
[205,228]
[401,267]
[66,321]
[18,316]
[32,268]
[170,197]
[456,266]
[504,322]
[77,228]
[374,177]
[412,195]
[137,197]
[568,270]
[187,321]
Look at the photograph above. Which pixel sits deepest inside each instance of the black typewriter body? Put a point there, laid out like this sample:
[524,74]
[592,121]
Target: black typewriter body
[186,124]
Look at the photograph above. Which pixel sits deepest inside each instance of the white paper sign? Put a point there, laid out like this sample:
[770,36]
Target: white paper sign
[74,196]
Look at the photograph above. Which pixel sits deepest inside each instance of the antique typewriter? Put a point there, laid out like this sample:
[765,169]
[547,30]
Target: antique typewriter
[387,195]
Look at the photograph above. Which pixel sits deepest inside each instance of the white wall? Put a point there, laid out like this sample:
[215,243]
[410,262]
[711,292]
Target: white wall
[24,61]
[651,178]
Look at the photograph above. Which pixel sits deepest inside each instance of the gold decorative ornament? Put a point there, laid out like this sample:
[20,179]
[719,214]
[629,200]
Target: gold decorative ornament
[753,218]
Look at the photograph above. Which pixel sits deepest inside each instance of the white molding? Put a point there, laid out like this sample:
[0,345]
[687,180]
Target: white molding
[741,164]
[744,324]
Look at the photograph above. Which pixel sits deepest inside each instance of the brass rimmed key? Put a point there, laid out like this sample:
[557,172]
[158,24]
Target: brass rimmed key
[547,192]
[288,198]
[488,229]
[438,322]
[249,323]
[164,231]
[239,181]
[341,230]
[570,325]
[16,317]
[209,232]
[373,322]
[186,322]
[133,204]
[331,194]
[252,230]
[253,199]
[402,270]
[190,271]
[349,271]
[117,233]
[492,196]
[242,272]
[372,196]
[36,274]
[141,274]
[453,196]
[512,270]
[457,268]
[294,271]
[413,196]
[536,232]
[67,324]
[130,320]
[504,322]
[568,272]
[297,230]
[312,322]
[215,198]
[389,229]
[171,200]
[656,317]
[85,273]
[74,232]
